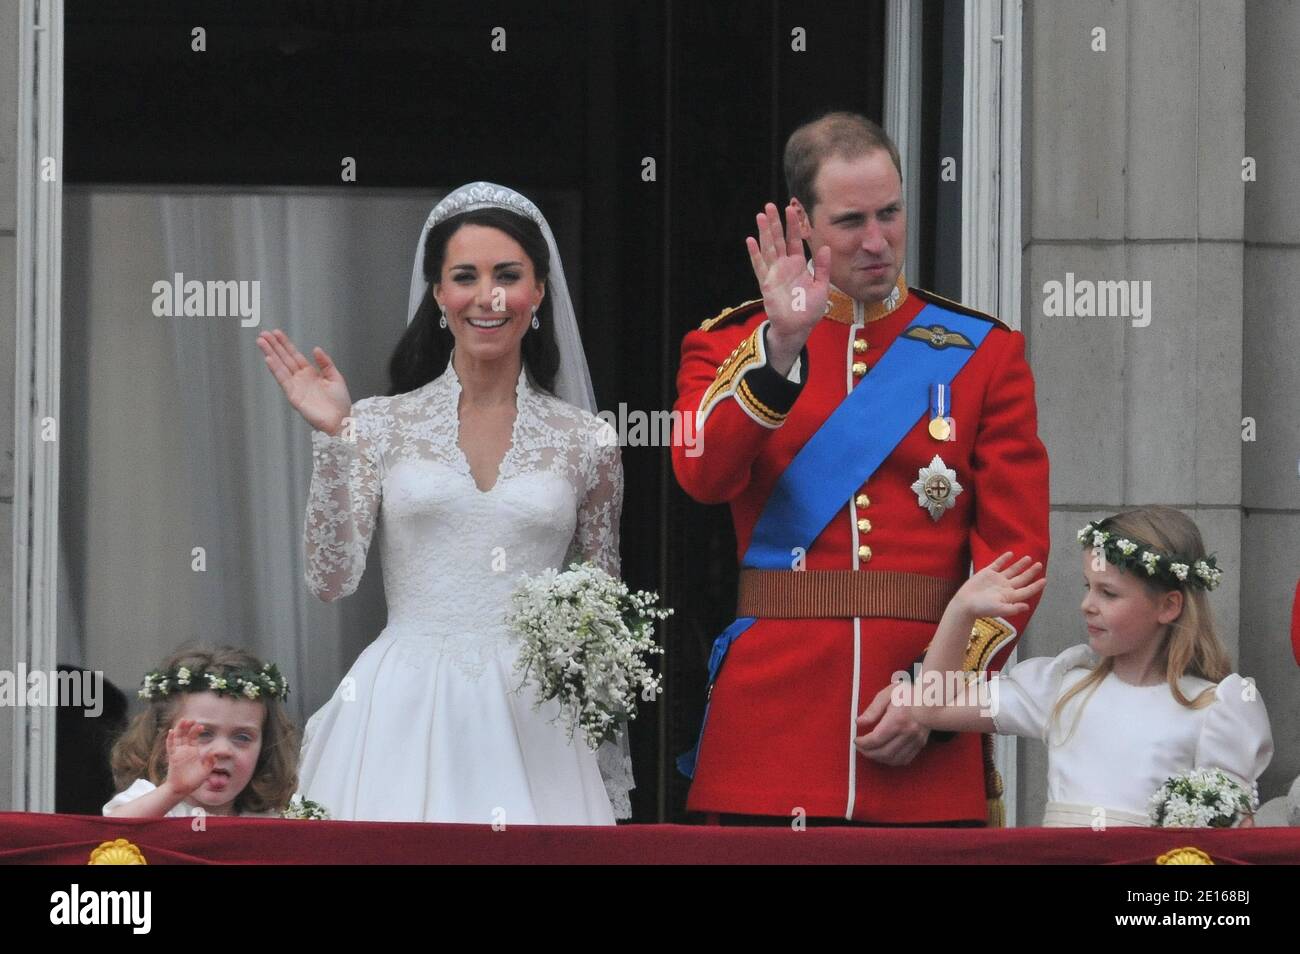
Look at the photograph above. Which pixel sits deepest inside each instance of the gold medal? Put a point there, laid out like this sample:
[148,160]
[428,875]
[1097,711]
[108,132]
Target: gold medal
[941,424]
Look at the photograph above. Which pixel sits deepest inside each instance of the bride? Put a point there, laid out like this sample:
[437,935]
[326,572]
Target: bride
[484,464]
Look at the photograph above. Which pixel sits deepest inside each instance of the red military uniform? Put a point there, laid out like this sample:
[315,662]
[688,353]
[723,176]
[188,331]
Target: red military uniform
[781,721]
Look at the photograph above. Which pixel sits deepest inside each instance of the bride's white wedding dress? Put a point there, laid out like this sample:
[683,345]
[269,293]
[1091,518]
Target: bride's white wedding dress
[426,726]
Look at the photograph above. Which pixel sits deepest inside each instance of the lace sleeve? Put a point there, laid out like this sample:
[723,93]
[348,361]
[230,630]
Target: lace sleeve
[596,536]
[341,509]
[596,539]
[614,760]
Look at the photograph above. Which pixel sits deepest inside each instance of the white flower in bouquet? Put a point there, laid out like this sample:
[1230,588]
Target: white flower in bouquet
[305,808]
[1201,798]
[585,639]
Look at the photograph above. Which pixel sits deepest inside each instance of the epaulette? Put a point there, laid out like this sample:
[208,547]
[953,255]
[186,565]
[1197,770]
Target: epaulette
[743,310]
[958,307]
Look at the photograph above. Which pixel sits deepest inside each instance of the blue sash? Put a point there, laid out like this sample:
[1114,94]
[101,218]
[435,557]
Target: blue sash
[862,431]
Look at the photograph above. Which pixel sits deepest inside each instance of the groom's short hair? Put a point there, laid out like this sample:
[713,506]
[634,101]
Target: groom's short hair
[843,134]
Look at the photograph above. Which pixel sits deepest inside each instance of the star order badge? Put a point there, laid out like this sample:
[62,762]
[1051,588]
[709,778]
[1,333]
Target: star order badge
[936,488]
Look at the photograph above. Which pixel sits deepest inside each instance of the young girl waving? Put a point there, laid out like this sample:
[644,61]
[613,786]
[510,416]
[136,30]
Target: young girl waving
[215,739]
[1150,696]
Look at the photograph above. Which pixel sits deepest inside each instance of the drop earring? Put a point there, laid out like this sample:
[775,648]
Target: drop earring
[442,322]
[536,324]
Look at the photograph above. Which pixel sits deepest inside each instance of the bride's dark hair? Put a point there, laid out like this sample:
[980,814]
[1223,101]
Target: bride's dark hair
[422,353]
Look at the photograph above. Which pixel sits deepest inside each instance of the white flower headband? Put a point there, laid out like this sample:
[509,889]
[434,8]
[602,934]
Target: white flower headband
[224,681]
[1171,569]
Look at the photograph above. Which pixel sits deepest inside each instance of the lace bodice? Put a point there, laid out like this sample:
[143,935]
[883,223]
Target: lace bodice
[452,553]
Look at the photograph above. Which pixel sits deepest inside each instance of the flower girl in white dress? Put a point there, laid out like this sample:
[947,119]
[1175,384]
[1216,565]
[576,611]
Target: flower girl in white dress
[1149,697]
[474,472]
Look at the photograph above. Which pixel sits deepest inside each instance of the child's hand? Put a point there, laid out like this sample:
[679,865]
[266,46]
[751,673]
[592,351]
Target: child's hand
[1002,588]
[187,769]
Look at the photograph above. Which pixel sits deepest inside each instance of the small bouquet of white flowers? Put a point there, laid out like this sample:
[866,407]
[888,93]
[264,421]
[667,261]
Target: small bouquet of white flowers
[305,808]
[585,639]
[1201,798]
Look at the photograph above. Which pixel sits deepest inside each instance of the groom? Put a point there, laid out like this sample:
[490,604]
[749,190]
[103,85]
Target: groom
[872,440]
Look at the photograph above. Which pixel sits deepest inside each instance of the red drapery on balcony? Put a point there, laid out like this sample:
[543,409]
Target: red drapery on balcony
[69,839]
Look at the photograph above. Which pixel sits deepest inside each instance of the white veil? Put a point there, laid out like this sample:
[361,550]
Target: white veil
[573,381]
[572,385]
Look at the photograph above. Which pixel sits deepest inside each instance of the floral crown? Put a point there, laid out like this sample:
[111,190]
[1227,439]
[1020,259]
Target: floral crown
[223,680]
[1168,568]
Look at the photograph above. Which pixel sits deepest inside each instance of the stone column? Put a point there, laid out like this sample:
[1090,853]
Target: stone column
[1270,467]
[10,39]
[1133,145]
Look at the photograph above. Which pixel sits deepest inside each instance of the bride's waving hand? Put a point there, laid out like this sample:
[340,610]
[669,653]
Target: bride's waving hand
[317,392]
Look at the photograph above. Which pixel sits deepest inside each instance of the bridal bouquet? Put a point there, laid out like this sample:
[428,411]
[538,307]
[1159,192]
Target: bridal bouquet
[1200,798]
[586,640]
[305,808]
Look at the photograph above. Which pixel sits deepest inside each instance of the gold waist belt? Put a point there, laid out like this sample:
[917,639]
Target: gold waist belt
[794,594]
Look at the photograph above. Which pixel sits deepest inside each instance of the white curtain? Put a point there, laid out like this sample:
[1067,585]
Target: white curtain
[174,436]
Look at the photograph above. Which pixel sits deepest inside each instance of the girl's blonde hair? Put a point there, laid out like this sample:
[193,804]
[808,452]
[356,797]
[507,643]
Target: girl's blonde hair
[1190,644]
[141,750]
